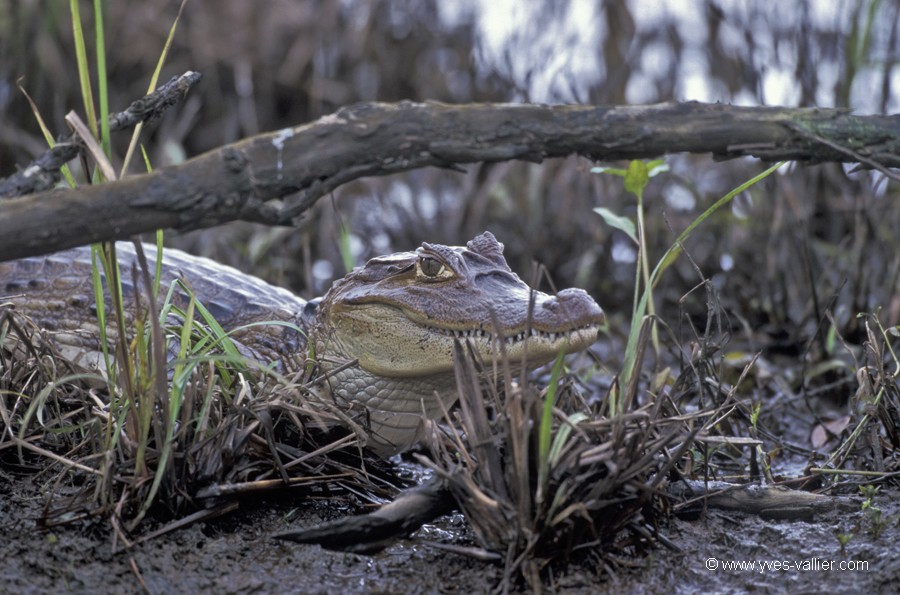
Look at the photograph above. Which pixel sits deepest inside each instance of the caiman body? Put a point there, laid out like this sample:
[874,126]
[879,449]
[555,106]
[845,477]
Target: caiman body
[383,336]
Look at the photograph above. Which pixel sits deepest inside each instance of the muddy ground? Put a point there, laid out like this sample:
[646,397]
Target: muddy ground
[236,554]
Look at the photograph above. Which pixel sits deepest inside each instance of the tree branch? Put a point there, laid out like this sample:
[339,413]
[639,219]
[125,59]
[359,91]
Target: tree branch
[275,177]
[43,173]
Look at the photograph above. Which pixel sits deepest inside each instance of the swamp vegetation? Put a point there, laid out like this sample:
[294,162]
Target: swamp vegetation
[767,353]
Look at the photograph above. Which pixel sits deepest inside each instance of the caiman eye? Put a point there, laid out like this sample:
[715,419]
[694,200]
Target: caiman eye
[432,268]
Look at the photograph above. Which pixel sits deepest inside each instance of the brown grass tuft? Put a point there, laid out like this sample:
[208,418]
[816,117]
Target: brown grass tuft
[259,432]
[602,493]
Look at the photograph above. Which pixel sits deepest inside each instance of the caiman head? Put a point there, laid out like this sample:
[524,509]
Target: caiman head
[399,316]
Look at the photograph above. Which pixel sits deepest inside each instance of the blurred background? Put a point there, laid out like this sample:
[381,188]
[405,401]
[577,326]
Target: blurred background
[806,241]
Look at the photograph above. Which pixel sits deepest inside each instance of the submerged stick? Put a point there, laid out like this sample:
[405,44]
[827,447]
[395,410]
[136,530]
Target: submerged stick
[372,532]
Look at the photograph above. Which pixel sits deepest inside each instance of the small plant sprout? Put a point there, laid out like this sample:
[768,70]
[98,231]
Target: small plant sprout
[636,177]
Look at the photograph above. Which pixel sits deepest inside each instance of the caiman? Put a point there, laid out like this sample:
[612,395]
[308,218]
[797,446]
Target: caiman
[383,336]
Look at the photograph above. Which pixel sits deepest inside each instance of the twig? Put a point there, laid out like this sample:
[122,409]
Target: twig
[43,173]
[857,472]
[51,455]
[849,152]
[200,515]
[137,574]
[217,490]
[473,552]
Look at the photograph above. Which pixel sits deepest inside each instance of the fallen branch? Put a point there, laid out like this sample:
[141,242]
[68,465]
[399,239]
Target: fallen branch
[274,178]
[43,173]
[372,532]
[769,502]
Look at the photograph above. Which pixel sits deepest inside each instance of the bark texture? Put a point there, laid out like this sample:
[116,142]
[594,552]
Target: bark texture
[274,178]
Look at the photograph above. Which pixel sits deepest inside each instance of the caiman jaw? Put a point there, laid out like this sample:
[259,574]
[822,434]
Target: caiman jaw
[532,348]
[550,339]
[537,346]
[391,342]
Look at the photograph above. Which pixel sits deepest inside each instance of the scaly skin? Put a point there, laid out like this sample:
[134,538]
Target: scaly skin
[394,321]
[57,292]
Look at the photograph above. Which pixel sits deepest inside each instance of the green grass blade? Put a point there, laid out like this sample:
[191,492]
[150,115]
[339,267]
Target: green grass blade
[101,77]
[48,136]
[345,250]
[172,414]
[37,404]
[98,264]
[84,74]
[546,428]
[154,79]
[562,436]
[675,249]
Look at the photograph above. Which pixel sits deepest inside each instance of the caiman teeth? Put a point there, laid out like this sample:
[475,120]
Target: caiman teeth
[480,333]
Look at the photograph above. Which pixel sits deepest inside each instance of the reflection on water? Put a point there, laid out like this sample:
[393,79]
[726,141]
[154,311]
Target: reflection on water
[735,51]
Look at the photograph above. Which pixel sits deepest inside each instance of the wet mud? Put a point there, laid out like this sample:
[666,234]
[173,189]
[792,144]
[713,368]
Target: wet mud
[237,554]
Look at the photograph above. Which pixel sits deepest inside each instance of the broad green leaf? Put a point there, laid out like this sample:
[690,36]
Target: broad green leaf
[618,221]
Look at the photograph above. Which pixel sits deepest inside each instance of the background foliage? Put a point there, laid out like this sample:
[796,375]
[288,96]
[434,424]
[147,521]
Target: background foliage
[809,239]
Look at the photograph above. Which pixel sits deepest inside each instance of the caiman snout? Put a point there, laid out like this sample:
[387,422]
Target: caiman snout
[574,305]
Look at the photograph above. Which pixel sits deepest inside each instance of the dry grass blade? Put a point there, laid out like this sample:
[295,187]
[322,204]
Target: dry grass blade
[92,145]
[200,515]
[877,398]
